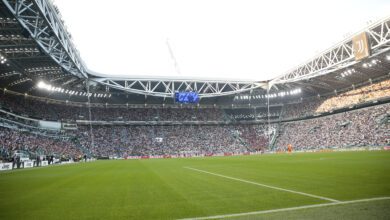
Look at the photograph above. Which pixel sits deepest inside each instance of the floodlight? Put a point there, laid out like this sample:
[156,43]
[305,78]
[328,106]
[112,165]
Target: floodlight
[41,85]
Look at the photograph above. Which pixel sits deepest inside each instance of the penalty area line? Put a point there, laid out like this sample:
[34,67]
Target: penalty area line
[264,185]
[288,209]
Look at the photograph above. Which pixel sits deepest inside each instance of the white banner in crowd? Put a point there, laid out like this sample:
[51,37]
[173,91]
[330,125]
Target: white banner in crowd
[28,164]
[50,125]
[44,163]
[5,166]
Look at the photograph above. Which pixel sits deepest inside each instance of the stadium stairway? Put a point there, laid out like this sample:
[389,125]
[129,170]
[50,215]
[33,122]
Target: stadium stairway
[226,117]
[236,135]
[275,136]
[83,149]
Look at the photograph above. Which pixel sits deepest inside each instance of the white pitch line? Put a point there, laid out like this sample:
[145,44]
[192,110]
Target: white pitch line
[264,185]
[287,209]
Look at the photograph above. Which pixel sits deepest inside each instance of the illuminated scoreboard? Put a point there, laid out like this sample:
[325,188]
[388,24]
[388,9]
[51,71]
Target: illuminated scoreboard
[186,97]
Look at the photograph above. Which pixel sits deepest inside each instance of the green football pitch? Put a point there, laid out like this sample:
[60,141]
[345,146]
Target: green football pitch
[339,185]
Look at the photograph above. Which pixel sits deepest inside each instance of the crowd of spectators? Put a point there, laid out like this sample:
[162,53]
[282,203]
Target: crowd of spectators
[172,140]
[255,136]
[362,127]
[38,109]
[13,139]
[318,105]
[57,112]
[26,107]
[298,110]
[360,95]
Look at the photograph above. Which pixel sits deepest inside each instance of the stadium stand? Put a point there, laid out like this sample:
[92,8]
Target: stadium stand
[362,127]
[357,96]
[57,112]
[16,139]
[167,140]
[287,125]
[357,128]
[139,141]
[310,106]
[250,114]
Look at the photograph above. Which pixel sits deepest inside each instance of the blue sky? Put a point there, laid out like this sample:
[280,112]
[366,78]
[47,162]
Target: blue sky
[241,39]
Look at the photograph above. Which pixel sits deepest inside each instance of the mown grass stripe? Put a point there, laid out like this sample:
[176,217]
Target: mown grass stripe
[264,185]
[287,209]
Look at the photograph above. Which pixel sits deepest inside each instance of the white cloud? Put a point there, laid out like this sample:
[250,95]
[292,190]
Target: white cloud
[210,38]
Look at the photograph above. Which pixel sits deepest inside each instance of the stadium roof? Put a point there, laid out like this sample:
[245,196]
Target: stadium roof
[46,53]
[218,38]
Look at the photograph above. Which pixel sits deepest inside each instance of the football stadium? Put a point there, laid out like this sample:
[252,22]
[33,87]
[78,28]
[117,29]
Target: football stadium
[171,140]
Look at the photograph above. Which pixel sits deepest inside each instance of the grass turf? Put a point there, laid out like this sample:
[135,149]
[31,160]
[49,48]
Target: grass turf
[358,211]
[163,189]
